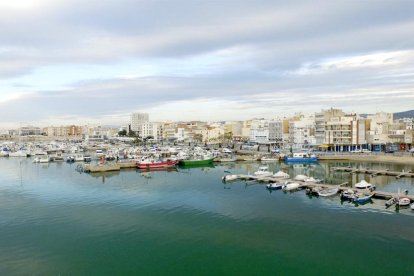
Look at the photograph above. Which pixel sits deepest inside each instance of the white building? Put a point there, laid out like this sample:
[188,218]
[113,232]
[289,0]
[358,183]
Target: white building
[154,130]
[137,119]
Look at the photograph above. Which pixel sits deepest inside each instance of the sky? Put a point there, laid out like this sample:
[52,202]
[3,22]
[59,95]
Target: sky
[95,62]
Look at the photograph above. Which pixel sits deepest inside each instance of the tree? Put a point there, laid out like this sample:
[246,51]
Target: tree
[122,132]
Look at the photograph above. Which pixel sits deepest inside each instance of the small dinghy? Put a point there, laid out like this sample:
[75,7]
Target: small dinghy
[274,186]
[362,197]
[403,201]
[348,194]
[328,191]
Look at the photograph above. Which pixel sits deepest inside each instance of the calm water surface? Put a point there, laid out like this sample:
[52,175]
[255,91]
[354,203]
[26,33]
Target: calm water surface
[56,221]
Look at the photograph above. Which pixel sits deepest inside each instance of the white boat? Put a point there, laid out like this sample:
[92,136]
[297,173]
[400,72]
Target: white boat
[289,186]
[79,158]
[41,159]
[263,171]
[281,174]
[328,191]
[403,201]
[412,206]
[19,153]
[364,185]
[301,177]
[229,177]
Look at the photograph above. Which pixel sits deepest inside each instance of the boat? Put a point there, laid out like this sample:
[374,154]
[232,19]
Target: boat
[301,157]
[199,161]
[269,159]
[348,194]
[78,158]
[362,197]
[274,186]
[289,186]
[364,185]
[152,164]
[403,201]
[19,153]
[301,177]
[229,177]
[412,206]
[263,171]
[281,174]
[331,191]
[41,159]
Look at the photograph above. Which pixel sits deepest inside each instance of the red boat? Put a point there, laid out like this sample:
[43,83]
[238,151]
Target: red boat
[151,164]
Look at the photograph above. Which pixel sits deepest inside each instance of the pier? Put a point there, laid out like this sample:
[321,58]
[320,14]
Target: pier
[375,172]
[309,184]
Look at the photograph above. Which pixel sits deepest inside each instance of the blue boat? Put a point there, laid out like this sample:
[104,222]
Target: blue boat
[362,197]
[302,157]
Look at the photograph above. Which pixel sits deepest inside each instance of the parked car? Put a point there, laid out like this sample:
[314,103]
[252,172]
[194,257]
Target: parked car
[356,151]
[411,150]
[226,150]
[389,151]
[366,151]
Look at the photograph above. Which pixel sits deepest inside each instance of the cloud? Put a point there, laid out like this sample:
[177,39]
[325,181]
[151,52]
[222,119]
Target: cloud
[90,59]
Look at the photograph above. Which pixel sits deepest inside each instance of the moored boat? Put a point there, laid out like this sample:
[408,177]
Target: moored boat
[192,162]
[263,171]
[152,164]
[360,197]
[331,191]
[274,186]
[289,186]
[364,185]
[403,201]
[301,157]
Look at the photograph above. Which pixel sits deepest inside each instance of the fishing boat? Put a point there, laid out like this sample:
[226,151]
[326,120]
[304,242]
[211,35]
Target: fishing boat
[198,161]
[152,164]
[328,191]
[301,157]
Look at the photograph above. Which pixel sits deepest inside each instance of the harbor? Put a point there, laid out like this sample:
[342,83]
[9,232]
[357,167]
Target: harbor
[190,209]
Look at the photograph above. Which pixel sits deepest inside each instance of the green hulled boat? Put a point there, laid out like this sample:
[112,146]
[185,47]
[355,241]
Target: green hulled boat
[195,162]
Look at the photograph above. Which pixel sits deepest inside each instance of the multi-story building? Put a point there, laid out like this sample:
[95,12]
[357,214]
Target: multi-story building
[276,132]
[154,130]
[137,120]
[320,121]
[29,130]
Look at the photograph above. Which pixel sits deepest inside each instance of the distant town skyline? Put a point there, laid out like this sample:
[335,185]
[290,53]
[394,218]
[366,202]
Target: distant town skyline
[76,62]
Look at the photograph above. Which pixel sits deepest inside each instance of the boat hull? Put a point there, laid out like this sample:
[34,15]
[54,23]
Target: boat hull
[196,162]
[157,165]
[301,159]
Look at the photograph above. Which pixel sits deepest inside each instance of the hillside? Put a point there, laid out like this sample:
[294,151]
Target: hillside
[404,114]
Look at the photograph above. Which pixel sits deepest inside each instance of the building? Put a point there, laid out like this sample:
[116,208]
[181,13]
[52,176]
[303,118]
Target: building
[154,130]
[29,130]
[276,132]
[137,120]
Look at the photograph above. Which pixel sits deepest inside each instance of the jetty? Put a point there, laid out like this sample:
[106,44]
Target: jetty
[375,172]
[310,184]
